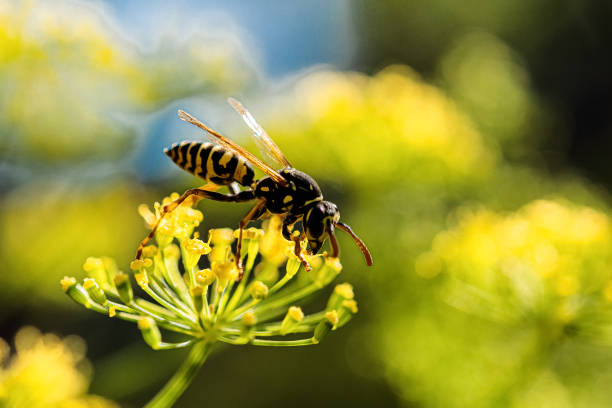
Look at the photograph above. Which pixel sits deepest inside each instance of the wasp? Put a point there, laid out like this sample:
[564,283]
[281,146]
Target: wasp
[288,192]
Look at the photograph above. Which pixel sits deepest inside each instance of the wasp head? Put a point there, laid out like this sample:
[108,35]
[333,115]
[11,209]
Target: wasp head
[320,222]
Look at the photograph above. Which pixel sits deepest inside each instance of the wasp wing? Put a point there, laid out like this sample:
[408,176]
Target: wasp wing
[225,142]
[265,143]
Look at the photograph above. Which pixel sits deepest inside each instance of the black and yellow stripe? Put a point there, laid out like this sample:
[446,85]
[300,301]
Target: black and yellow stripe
[212,163]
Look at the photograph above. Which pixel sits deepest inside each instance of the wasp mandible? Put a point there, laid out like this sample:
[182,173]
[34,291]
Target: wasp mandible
[288,192]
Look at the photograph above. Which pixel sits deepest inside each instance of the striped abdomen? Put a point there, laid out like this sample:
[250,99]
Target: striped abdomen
[211,162]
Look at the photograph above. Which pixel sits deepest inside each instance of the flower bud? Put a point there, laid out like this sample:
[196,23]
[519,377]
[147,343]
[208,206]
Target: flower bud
[346,311]
[205,277]
[249,318]
[292,319]
[149,251]
[142,279]
[326,325]
[149,217]
[76,291]
[141,264]
[94,291]
[221,236]
[327,272]
[103,270]
[341,293]
[259,290]
[221,239]
[150,332]
[226,272]
[193,251]
[124,287]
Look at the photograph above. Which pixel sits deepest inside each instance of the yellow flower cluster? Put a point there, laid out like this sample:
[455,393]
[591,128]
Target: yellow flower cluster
[548,257]
[64,70]
[388,127]
[195,287]
[43,373]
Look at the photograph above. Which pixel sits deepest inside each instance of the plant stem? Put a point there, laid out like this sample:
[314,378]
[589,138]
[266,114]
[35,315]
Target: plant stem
[174,388]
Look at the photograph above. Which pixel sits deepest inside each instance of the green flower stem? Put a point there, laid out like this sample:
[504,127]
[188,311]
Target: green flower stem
[175,280]
[147,311]
[171,325]
[175,327]
[121,307]
[205,315]
[284,343]
[162,289]
[236,314]
[236,340]
[176,311]
[237,295]
[171,346]
[283,301]
[183,377]
[170,294]
[152,283]
[223,302]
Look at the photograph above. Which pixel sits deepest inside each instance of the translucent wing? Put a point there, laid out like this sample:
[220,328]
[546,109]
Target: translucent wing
[265,143]
[216,137]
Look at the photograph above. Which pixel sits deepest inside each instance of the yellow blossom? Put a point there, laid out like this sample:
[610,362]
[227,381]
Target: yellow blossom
[43,373]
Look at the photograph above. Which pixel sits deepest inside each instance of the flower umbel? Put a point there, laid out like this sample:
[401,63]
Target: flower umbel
[46,371]
[190,286]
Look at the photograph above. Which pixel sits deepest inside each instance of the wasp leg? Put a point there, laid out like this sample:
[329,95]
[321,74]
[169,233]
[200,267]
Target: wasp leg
[288,223]
[200,193]
[254,213]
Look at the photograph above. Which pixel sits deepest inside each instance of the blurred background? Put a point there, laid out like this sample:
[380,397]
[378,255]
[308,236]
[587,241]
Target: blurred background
[467,143]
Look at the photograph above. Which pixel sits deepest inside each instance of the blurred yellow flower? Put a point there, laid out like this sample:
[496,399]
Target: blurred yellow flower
[47,372]
[47,229]
[65,72]
[527,262]
[385,128]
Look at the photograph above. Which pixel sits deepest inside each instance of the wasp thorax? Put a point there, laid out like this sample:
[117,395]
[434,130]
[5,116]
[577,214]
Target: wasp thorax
[300,192]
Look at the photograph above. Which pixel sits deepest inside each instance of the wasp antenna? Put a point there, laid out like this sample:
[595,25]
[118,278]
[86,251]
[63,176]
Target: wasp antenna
[358,241]
[332,239]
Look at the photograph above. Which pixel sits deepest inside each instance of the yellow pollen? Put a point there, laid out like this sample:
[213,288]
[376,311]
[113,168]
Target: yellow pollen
[259,290]
[196,291]
[142,279]
[112,311]
[145,323]
[249,318]
[350,305]
[332,317]
[149,251]
[67,283]
[88,283]
[196,246]
[138,264]
[345,290]
[205,277]
[296,313]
